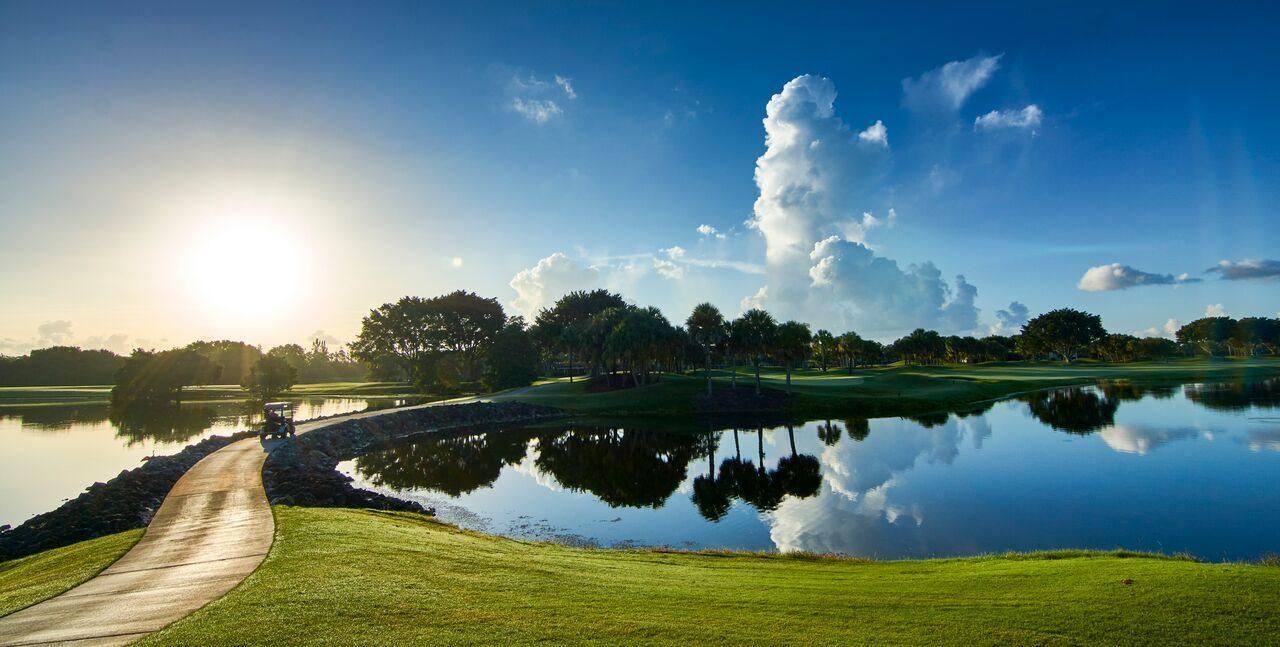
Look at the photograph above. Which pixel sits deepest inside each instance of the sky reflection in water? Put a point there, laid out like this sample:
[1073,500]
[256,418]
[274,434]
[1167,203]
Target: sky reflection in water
[1174,469]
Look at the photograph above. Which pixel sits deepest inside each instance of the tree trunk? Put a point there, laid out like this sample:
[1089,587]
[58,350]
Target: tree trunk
[757,365]
[706,350]
[788,377]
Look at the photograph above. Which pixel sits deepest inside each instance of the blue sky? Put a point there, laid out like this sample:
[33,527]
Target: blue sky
[409,148]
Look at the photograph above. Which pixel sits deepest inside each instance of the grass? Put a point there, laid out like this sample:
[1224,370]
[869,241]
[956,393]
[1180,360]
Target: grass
[361,577]
[55,395]
[883,391]
[26,581]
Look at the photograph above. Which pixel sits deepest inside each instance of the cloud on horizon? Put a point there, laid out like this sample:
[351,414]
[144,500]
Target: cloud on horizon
[1115,276]
[551,278]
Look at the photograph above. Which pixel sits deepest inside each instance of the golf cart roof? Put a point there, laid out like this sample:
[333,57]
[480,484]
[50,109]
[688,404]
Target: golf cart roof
[275,405]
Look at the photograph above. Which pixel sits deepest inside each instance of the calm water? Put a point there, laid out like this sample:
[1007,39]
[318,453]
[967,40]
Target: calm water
[1176,469]
[52,452]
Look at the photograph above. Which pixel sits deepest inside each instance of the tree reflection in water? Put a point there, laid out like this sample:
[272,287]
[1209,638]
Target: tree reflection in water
[623,467]
[798,475]
[454,465]
[1127,391]
[166,422]
[1236,396]
[1073,410]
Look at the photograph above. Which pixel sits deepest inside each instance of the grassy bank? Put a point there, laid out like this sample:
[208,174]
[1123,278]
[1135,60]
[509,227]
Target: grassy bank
[884,391]
[26,581]
[356,577]
[53,395]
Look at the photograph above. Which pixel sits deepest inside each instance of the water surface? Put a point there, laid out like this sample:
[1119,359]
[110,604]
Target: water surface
[1192,468]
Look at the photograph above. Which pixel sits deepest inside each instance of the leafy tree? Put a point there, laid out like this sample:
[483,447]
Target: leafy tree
[707,327]
[825,348]
[235,357]
[513,358]
[1117,348]
[149,377]
[754,332]
[269,377]
[1209,334]
[1157,348]
[791,345]
[1064,331]
[564,327]
[920,347]
[60,366]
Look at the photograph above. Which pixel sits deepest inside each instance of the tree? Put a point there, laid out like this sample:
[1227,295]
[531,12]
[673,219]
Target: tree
[791,345]
[706,326]
[825,348]
[269,377]
[513,358]
[1209,334]
[149,377]
[1064,331]
[235,357]
[431,338]
[60,366]
[756,329]
[563,328]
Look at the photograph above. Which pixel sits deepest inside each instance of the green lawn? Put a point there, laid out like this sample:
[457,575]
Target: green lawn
[45,395]
[894,390]
[26,581]
[358,577]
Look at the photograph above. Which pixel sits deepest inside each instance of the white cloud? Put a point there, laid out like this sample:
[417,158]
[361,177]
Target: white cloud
[709,231]
[668,270]
[1105,278]
[1028,118]
[539,111]
[1011,319]
[948,87]
[756,300]
[1249,268]
[567,86]
[675,252]
[1168,330]
[1215,310]
[816,183]
[875,134]
[553,277]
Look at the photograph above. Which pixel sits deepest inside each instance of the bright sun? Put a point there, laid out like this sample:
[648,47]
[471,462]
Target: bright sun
[241,266]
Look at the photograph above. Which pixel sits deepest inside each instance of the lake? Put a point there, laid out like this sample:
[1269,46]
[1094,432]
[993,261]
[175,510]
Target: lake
[52,452]
[1176,469]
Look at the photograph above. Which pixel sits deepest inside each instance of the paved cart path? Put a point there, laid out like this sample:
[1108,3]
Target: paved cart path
[213,529]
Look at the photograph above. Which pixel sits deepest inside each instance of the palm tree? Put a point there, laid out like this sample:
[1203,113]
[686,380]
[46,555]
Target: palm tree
[791,345]
[706,326]
[757,329]
[824,346]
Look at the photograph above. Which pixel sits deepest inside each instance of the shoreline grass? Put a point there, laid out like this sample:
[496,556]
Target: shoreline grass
[361,577]
[886,391]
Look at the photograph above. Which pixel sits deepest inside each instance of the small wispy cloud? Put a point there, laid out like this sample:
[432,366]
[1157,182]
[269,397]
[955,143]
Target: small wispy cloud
[710,232]
[537,100]
[1106,278]
[1246,269]
[1028,118]
[948,87]
[1215,310]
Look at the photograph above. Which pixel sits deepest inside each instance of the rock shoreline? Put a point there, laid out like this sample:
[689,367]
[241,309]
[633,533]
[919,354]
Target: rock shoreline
[304,472]
[123,503]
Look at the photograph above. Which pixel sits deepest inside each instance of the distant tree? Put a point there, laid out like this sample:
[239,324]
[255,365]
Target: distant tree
[60,366]
[920,347]
[791,345]
[825,348]
[755,331]
[293,354]
[1157,348]
[443,337]
[235,357]
[1117,348]
[707,327]
[269,377]
[1065,331]
[149,377]
[564,328]
[513,358]
[1209,334]
[849,346]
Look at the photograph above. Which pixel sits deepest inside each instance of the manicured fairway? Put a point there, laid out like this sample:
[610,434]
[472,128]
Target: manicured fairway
[26,581]
[887,391]
[356,577]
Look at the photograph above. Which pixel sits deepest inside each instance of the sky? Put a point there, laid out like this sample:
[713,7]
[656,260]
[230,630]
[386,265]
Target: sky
[272,171]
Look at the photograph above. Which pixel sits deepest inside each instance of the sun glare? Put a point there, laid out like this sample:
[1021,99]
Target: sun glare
[241,265]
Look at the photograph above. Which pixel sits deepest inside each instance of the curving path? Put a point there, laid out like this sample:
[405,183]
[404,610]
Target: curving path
[213,529]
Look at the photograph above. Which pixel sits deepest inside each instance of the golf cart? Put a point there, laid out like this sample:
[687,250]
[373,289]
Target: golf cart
[278,421]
